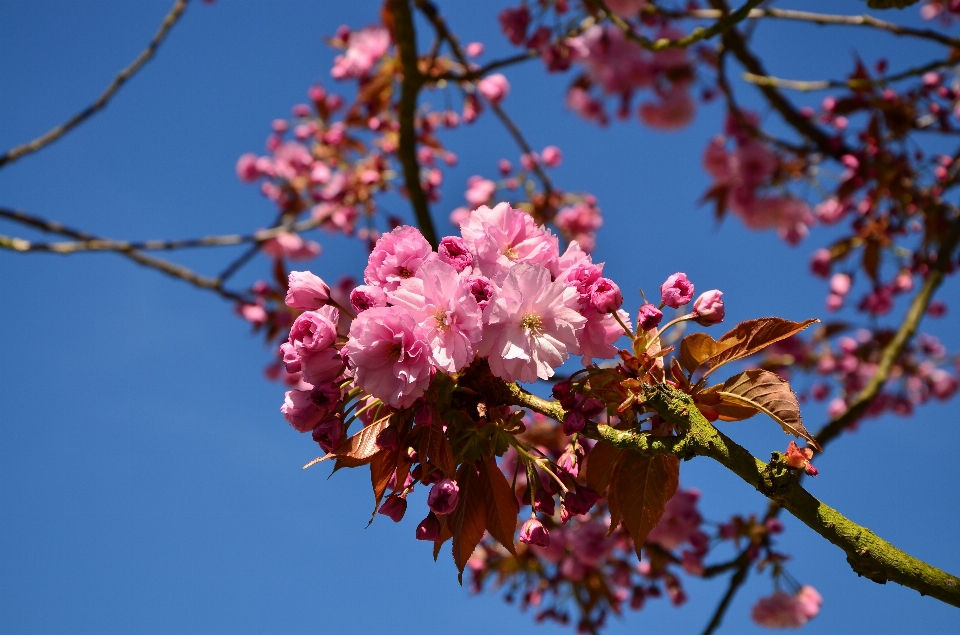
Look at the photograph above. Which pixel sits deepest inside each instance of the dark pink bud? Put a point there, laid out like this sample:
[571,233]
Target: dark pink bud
[605,296]
[394,507]
[543,502]
[453,251]
[561,391]
[649,317]
[429,528]
[820,262]
[514,23]
[589,406]
[709,308]
[326,395]
[573,422]
[444,496]
[774,526]
[329,434]
[367,297]
[569,462]
[676,291]
[247,169]
[424,416]
[387,439]
[551,156]
[579,502]
[534,533]
[482,290]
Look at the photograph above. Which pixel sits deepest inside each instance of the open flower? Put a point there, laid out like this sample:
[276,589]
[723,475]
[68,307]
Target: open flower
[397,256]
[503,236]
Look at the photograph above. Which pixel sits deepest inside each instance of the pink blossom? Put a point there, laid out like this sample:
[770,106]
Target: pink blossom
[329,433]
[474,49]
[717,161]
[396,256]
[754,163]
[676,291]
[820,262]
[306,291]
[797,457]
[514,23]
[840,284]
[247,168]
[291,160]
[326,395]
[482,290]
[292,246]
[649,317]
[453,251]
[364,48]
[503,236]
[533,325]
[534,533]
[709,308]
[300,411]
[605,296]
[394,507]
[494,88]
[611,60]
[429,528]
[781,610]
[367,297]
[551,156]
[599,333]
[580,222]
[675,110]
[680,522]
[390,356]
[830,211]
[444,496]
[289,358]
[479,191]
[318,367]
[441,302]
[253,313]
[315,331]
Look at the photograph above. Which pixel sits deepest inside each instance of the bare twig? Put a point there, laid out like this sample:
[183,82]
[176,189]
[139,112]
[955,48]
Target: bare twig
[736,581]
[468,75]
[168,22]
[853,83]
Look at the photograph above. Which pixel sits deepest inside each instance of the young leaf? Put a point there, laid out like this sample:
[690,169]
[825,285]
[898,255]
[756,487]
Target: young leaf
[695,349]
[435,447]
[599,466]
[749,337]
[469,519]
[642,486]
[445,535]
[764,391]
[382,466]
[502,506]
[357,450]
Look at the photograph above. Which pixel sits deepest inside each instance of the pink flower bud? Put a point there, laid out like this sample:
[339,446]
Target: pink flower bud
[326,395]
[329,434]
[569,462]
[247,168]
[505,167]
[820,262]
[649,317]
[474,49]
[676,291]
[429,528]
[453,251]
[291,361]
[300,411]
[306,291]
[709,308]
[573,422]
[387,439]
[840,284]
[314,331]
[605,296]
[394,507]
[367,297]
[325,365]
[444,496]
[534,533]
[551,156]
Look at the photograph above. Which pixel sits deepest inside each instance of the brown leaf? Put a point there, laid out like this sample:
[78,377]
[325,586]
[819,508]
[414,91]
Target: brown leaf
[695,349]
[382,466]
[445,535]
[871,260]
[435,448]
[749,337]
[502,506]
[771,395]
[469,519]
[357,450]
[726,409]
[600,465]
[642,487]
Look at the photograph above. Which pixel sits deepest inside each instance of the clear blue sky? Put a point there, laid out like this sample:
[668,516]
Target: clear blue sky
[148,483]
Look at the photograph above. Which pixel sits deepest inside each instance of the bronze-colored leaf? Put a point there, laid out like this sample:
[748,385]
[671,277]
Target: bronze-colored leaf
[435,448]
[599,466]
[469,519]
[382,466]
[357,450]
[502,505]
[751,336]
[871,260]
[445,535]
[772,396]
[726,409]
[695,349]
[642,487]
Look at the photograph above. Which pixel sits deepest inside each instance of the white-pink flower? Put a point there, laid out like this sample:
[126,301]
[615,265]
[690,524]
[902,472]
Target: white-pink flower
[532,325]
[441,301]
[397,256]
[782,610]
[503,236]
[390,356]
[600,331]
[364,48]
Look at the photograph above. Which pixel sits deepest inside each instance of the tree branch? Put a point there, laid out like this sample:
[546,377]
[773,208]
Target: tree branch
[867,554]
[406,38]
[824,84]
[736,581]
[168,22]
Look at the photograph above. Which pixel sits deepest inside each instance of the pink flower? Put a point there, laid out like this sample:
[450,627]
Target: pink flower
[479,191]
[289,357]
[390,356]
[305,291]
[247,168]
[680,522]
[316,368]
[482,290]
[494,88]
[676,291]
[315,331]
[326,395]
[840,284]
[781,610]
[551,156]
[717,161]
[329,433]
[367,297]
[300,411]
[429,528]
[797,457]
[503,236]
[649,317]
[754,163]
[611,60]
[364,48]
[709,308]
[514,23]
[396,256]
[394,507]
[444,496]
[532,327]
[292,246]
[441,302]
[454,252]
[820,262]
[291,160]
[474,49]
[674,111]
[605,296]
[534,533]
[627,8]
[830,211]
[599,333]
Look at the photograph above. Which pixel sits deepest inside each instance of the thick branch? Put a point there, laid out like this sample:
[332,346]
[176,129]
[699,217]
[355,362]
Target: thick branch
[171,19]
[868,554]
[406,38]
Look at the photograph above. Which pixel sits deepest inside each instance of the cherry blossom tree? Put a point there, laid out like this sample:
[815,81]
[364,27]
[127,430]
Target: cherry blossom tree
[488,359]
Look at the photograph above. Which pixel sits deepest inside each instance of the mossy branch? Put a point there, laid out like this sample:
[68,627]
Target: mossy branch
[868,554]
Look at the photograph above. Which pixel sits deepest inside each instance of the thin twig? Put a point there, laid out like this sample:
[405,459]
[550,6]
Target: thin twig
[736,581]
[473,75]
[168,22]
[853,83]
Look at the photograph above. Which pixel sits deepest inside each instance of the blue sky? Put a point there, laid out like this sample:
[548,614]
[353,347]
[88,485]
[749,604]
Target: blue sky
[148,483]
